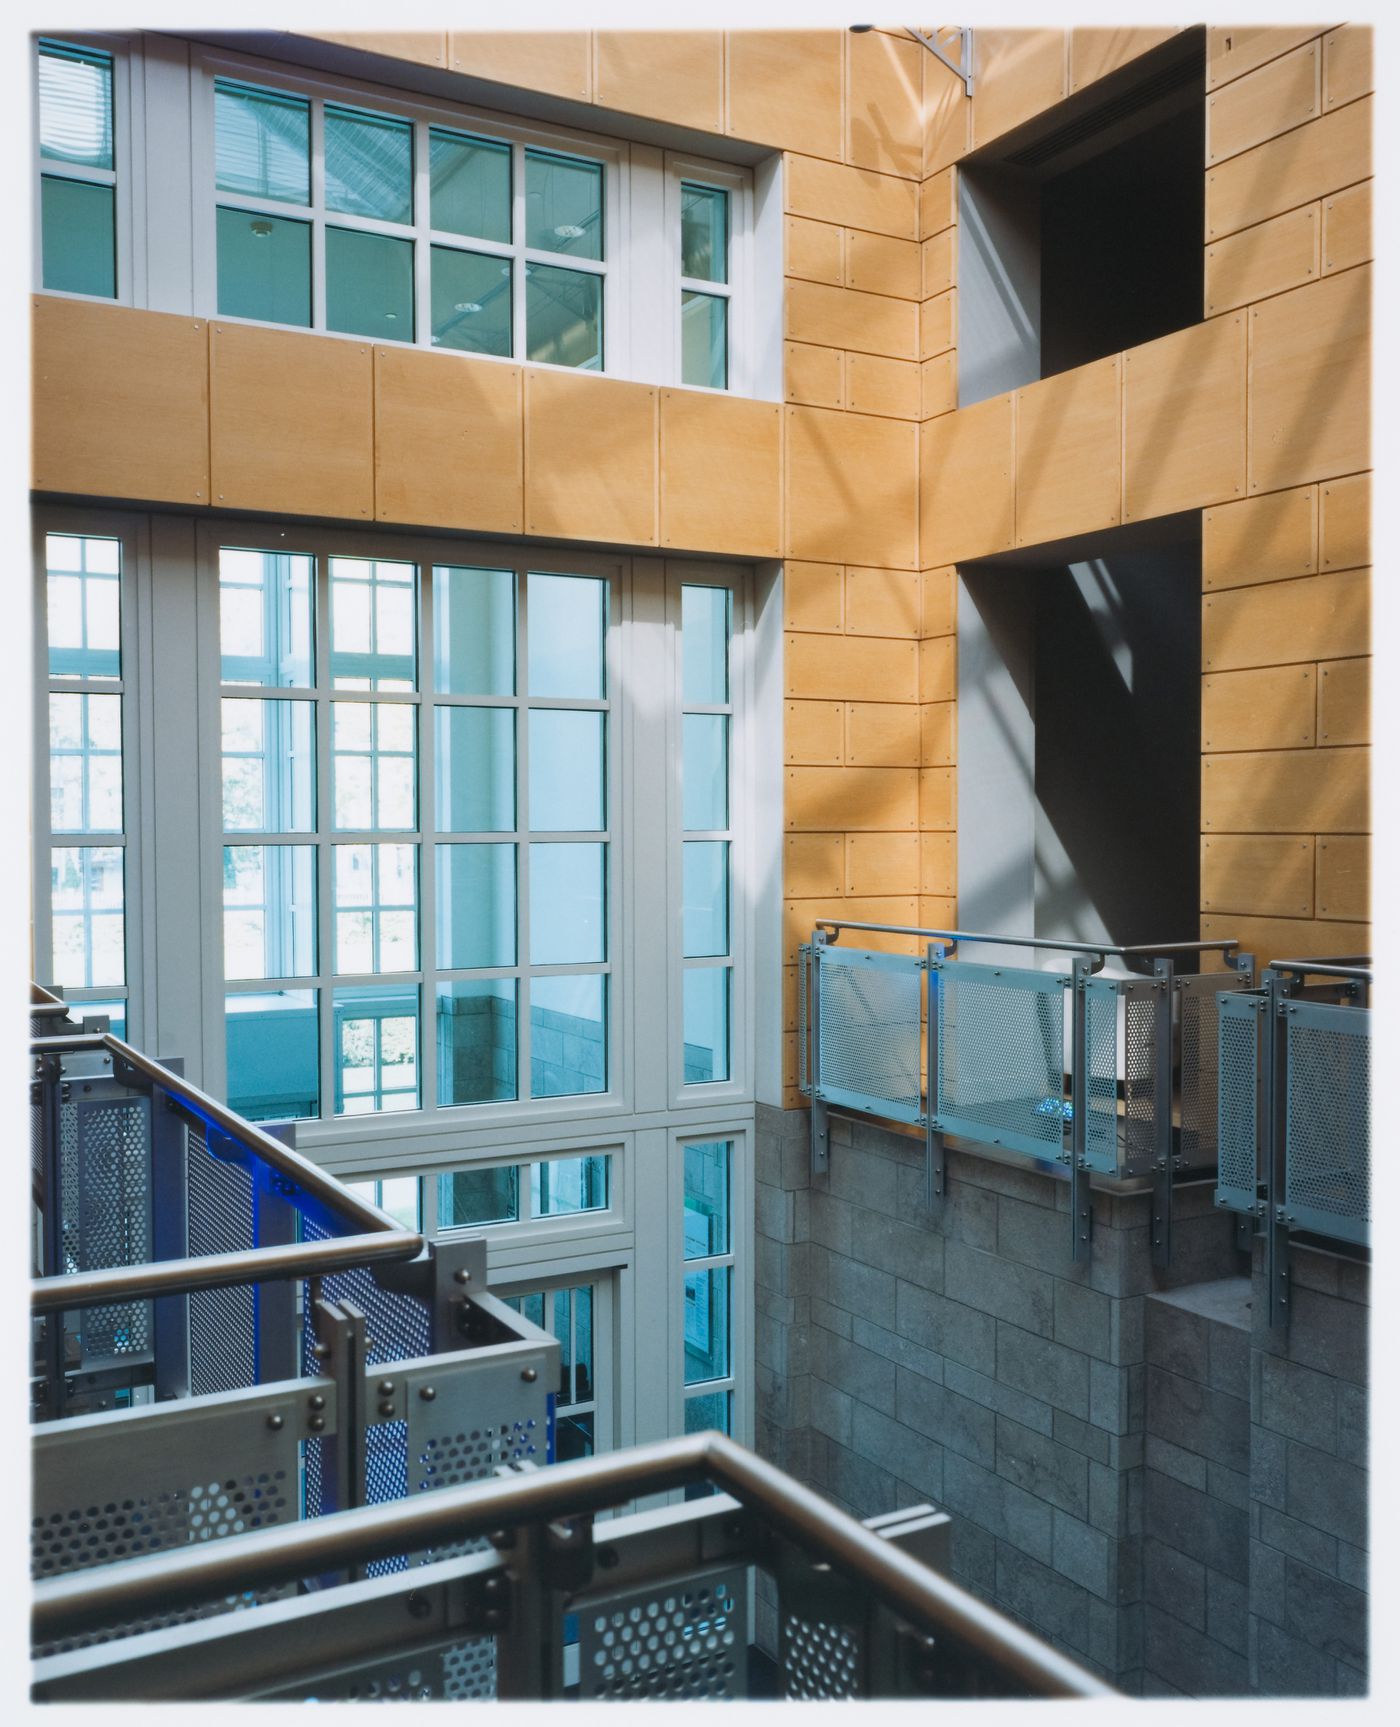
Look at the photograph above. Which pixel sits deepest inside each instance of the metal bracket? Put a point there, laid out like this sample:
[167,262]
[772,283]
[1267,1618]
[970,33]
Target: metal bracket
[820,1125]
[340,1346]
[935,1150]
[962,66]
[1163,1160]
[1274,1060]
[1081,1204]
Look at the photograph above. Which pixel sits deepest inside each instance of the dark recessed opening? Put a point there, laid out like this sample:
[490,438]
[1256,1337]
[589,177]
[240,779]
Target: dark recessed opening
[1081,232]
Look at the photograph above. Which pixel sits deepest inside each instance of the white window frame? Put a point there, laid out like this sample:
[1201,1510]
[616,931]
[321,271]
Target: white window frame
[737,289]
[423,113]
[124,177]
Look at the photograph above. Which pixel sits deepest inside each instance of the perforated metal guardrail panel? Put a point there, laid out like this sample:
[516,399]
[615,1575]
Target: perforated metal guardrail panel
[105,1161]
[1139,1141]
[1328,1120]
[821,1661]
[1241,1022]
[222,1321]
[1200,999]
[869,1030]
[1000,1056]
[459,1672]
[675,1640]
[1102,1040]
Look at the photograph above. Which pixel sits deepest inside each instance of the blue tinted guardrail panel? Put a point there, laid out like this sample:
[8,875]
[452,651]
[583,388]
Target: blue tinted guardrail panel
[1242,1022]
[1327,1105]
[868,1031]
[1000,1055]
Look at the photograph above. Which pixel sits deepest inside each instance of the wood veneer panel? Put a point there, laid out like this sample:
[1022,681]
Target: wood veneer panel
[1184,420]
[448,449]
[1069,453]
[721,473]
[590,458]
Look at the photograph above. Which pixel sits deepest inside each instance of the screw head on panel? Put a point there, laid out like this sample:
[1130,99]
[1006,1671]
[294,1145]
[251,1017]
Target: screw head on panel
[529,1375]
[275,1423]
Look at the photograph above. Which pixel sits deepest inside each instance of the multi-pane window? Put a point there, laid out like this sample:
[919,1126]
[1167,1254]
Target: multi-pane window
[706,868]
[86,819]
[340,217]
[77,170]
[709,1286]
[568,1313]
[413,832]
[519,1193]
[705,289]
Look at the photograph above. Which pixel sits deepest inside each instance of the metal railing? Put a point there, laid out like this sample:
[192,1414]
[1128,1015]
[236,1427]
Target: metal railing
[1295,1121]
[658,1600]
[1099,1075]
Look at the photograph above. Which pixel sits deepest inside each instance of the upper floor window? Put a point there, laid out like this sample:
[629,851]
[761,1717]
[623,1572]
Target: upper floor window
[77,170]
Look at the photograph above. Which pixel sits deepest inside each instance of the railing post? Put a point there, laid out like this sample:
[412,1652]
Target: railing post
[1163,1160]
[820,1127]
[543,1561]
[340,1347]
[1274,1133]
[48,1071]
[935,1152]
[1081,1207]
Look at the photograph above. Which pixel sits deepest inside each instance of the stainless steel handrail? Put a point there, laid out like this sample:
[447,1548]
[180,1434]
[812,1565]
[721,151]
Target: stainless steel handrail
[1359,972]
[836,925]
[381,1237]
[107,1595]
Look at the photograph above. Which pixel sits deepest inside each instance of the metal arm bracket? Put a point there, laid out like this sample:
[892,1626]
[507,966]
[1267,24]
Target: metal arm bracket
[960,68]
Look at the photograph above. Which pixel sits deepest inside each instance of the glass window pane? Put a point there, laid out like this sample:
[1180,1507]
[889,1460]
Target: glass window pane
[707,1169]
[471,301]
[705,619]
[471,191]
[376,908]
[273,1054]
[707,1324]
[475,907]
[269,911]
[473,631]
[564,1185]
[369,165]
[704,340]
[563,204]
[369,285]
[704,233]
[75,106]
[568,897]
[373,630]
[708,1410]
[568,1036]
[374,765]
[85,764]
[476,1042]
[265,618]
[563,317]
[567,781]
[262,143]
[705,772]
[264,267]
[84,606]
[79,237]
[475,770]
[704,898]
[376,1048]
[88,903]
[706,1023]
[568,622]
[573,1437]
[400,1196]
[114,1010]
[269,765]
[476,1196]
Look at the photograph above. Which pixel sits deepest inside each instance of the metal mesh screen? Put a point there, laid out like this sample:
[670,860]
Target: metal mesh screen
[105,1161]
[1101,1076]
[1001,1056]
[222,1321]
[1328,1120]
[1200,1071]
[804,984]
[672,1641]
[868,1032]
[455,1672]
[1140,1080]
[821,1661]
[1238,1136]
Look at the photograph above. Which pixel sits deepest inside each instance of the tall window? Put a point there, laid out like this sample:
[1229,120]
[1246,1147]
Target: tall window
[85,817]
[411,832]
[708,1280]
[378,224]
[704,285]
[706,619]
[77,170]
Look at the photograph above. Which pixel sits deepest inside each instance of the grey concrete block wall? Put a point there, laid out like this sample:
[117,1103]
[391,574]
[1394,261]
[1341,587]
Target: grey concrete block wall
[1106,1493]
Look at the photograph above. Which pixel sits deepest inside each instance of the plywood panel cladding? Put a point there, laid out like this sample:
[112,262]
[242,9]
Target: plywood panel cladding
[557,61]
[884,115]
[1310,383]
[851,489]
[863,800]
[1264,874]
[721,474]
[1345,522]
[784,89]
[590,458]
[1346,229]
[1307,163]
[854,197]
[1260,539]
[1284,94]
[1068,453]
[675,75]
[813,376]
[1344,702]
[1273,708]
[121,402]
[425,47]
[842,318]
[1283,253]
[1287,791]
[1346,65]
[291,422]
[847,667]
[1269,938]
[877,264]
[1232,50]
[1344,876]
[1317,618]
[1019,74]
[447,441]
[967,483]
[813,251]
[1184,420]
[1094,53]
